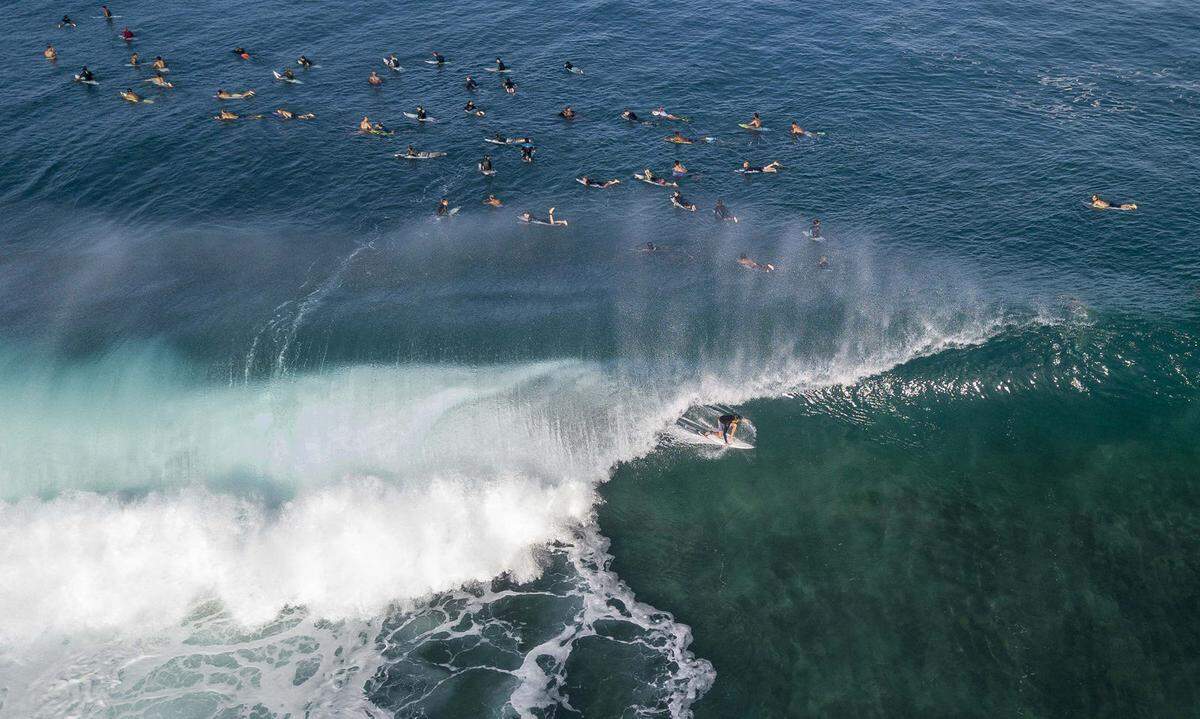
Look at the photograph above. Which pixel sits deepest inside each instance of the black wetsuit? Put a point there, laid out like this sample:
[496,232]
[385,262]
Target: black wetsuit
[816,229]
[305,62]
[442,210]
[726,422]
[439,59]
[86,75]
[485,165]
[632,116]
[471,84]
[527,153]
[722,212]
[500,66]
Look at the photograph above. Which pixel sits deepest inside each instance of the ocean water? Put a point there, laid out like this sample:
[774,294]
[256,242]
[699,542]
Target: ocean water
[275,442]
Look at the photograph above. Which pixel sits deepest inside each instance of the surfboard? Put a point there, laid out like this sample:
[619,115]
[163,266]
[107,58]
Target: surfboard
[279,76]
[574,70]
[86,82]
[434,62]
[482,171]
[420,155]
[689,208]
[110,17]
[751,128]
[494,141]
[413,116]
[310,67]
[449,213]
[496,69]
[142,101]
[542,223]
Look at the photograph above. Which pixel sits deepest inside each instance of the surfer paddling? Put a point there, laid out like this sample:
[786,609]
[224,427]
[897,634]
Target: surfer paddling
[1101,204]
[528,218]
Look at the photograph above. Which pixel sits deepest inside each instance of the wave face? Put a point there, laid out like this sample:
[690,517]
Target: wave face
[395,536]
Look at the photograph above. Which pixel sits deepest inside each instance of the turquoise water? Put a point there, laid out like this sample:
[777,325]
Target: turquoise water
[275,441]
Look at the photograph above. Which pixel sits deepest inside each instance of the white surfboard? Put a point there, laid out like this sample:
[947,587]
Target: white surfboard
[86,82]
[413,116]
[694,432]
[279,76]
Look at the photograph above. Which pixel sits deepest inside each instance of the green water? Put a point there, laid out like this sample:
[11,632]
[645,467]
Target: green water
[924,551]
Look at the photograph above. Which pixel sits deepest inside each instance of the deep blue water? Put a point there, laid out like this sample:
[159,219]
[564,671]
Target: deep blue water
[274,439]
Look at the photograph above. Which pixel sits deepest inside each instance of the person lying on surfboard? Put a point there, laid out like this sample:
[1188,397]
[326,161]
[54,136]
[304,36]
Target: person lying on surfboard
[571,68]
[289,115]
[748,263]
[66,22]
[223,95]
[227,115]
[661,111]
[678,201]
[509,86]
[773,166]
[630,115]
[597,183]
[130,95]
[241,52]
[160,81]
[723,213]
[493,201]
[678,170]
[392,62]
[1100,204]
[288,74]
[528,216]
